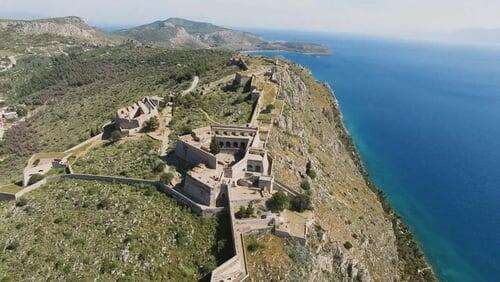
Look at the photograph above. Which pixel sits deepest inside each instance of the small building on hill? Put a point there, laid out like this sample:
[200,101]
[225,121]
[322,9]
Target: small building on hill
[131,119]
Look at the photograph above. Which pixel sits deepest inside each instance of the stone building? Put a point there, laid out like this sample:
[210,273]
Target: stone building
[131,119]
[240,157]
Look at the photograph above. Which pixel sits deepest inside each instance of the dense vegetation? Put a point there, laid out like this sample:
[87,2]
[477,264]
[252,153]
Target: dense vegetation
[76,230]
[70,96]
[136,158]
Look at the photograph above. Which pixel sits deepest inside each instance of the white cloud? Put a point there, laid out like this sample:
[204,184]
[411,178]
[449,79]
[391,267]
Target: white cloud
[365,16]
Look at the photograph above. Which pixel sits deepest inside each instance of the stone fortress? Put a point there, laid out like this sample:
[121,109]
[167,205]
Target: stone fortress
[230,169]
[241,162]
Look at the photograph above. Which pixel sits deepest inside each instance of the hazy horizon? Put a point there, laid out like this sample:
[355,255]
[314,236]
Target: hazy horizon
[387,18]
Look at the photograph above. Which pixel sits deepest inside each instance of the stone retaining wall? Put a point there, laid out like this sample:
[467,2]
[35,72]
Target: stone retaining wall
[197,208]
[282,187]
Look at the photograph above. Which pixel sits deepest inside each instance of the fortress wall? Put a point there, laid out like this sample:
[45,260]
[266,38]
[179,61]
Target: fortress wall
[195,155]
[235,269]
[197,208]
[282,187]
[256,108]
[7,197]
[199,192]
[237,171]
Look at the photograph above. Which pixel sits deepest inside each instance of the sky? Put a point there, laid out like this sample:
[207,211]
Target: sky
[380,17]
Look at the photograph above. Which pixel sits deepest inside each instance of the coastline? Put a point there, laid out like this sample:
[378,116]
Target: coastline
[412,261]
[247,52]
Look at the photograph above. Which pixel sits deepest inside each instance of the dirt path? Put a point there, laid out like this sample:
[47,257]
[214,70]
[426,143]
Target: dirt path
[195,82]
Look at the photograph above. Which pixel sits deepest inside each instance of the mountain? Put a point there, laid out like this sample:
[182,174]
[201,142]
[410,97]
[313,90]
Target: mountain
[18,35]
[181,33]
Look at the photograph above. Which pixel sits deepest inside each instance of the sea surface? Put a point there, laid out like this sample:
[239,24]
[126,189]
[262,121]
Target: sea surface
[426,120]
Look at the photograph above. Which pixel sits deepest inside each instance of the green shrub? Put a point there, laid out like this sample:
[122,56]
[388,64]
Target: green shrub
[35,178]
[269,108]
[305,185]
[158,166]
[301,203]
[151,125]
[278,202]
[254,246]
[103,204]
[310,171]
[115,136]
[214,147]
[21,202]
[245,212]
[166,178]
[348,245]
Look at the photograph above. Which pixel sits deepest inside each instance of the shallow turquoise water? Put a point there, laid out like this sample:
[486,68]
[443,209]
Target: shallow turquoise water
[426,120]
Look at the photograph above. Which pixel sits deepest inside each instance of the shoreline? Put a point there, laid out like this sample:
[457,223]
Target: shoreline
[284,50]
[412,260]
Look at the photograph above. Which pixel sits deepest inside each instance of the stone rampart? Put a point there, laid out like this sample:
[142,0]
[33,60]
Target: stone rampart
[194,155]
[197,208]
[282,187]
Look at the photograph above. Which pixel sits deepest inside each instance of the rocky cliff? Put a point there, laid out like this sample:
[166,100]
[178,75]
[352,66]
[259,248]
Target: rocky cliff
[356,236]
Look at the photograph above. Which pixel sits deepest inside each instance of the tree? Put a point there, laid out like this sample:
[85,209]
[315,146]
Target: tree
[246,212]
[166,178]
[115,136]
[214,147]
[21,110]
[151,125]
[305,185]
[158,166]
[301,203]
[278,202]
[35,178]
[269,108]
[310,171]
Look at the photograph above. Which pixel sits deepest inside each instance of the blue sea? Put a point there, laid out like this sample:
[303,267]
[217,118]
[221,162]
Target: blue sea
[426,120]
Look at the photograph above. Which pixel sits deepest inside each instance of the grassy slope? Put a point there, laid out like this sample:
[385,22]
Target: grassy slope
[273,257]
[132,158]
[83,91]
[87,230]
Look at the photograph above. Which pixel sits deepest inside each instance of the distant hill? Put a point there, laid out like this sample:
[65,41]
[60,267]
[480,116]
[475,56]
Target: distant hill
[73,27]
[18,35]
[181,33]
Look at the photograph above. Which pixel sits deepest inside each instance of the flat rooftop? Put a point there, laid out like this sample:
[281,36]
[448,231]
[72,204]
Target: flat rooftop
[207,176]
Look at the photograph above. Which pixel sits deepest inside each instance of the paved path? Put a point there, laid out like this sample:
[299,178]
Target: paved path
[196,79]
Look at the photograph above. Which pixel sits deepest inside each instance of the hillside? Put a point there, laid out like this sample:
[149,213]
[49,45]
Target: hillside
[68,96]
[181,33]
[75,230]
[50,35]
[355,236]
